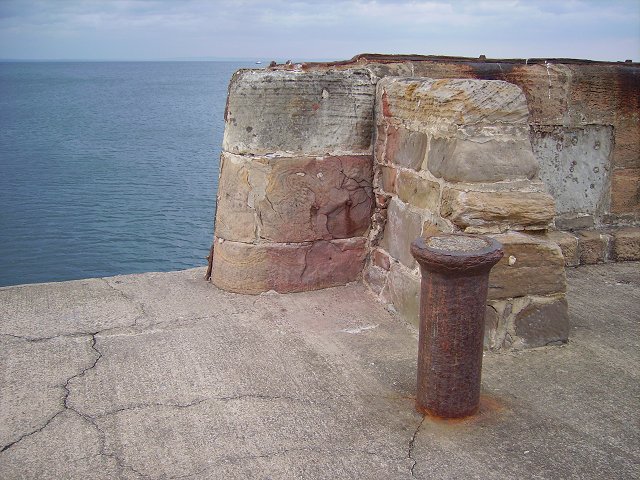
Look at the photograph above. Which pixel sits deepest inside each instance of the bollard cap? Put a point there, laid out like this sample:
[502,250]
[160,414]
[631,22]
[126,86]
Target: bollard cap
[457,253]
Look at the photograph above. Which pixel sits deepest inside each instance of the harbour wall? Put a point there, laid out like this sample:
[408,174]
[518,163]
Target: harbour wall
[329,171]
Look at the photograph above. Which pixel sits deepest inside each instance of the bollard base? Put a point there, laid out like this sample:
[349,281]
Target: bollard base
[446,415]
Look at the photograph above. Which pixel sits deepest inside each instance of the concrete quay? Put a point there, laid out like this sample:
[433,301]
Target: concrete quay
[163,376]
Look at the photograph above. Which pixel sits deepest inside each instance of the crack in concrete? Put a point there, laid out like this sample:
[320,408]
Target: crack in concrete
[33,432]
[138,304]
[45,339]
[141,406]
[108,331]
[65,407]
[198,401]
[65,395]
[87,418]
[411,446]
[103,440]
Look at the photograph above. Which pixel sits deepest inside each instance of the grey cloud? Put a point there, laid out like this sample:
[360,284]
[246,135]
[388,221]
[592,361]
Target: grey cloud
[312,29]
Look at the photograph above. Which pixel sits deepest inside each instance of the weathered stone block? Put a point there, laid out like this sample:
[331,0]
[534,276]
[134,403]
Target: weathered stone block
[255,268]
[294,199]
[503,210]
[404,292]
[531,266]
[375,278]
[593,246]
[482,159]
[542,322]
[308,199]
[572,221]
[491,325]
[417,191]
[547,90]
[235,219]
[568,243]
[388,179]
[625,191]
[309,113]
[406,148]
[381,259]
[430,229]
[574,165]
[626,154]
[526,322]
[441,105]
[403,227]
[439,150]
[626,244]
[603,94]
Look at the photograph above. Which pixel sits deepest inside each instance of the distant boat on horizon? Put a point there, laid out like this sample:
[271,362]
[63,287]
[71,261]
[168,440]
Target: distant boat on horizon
[258,62]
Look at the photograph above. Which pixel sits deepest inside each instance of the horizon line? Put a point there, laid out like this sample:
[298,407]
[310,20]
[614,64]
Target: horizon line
[168,59]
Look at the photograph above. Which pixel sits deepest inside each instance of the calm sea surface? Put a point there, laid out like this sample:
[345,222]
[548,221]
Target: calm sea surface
[108,168]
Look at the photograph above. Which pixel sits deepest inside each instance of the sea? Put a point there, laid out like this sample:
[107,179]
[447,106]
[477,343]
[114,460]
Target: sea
[108,168]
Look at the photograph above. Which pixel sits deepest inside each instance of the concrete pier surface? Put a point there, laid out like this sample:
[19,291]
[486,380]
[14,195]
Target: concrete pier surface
[163,376]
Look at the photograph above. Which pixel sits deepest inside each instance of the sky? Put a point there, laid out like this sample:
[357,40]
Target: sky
[317,30]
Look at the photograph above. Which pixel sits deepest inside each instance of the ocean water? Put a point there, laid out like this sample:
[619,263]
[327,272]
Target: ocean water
[108,167]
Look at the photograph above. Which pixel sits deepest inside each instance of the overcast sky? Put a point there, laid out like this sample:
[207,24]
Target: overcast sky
[306,30]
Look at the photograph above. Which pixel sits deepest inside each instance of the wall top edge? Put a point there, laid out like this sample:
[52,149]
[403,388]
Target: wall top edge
[367,58]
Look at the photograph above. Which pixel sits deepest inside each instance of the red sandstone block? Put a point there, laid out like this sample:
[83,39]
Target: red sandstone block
[625,191]
[291,267]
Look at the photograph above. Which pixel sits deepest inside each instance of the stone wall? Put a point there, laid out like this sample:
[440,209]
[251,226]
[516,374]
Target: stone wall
[454,155]
[584,120]
[329,171]
[295,190]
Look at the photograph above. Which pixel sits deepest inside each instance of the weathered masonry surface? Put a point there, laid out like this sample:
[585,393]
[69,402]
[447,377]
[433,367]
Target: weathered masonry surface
[329,171]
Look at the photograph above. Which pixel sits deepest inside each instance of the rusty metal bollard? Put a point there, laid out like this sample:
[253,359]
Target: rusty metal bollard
[455,277]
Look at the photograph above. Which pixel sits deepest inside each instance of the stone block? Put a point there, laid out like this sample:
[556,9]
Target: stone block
[603,94]
[625,191]
[542,322]
[482,159]
[406,148]
[547,90]
[531,266]
[417,191]
[568,243]
[622,219]
[255,268]
[575,165]
[491,325]
[593,247]
[404,293]
[307,113]
[307,199]
[572,221]
[440,105]
[501,210]
[439,151]
[429,229]
[381,259]
[375,278]
[450,102]
[627,132]
[388,179]
[404,225]
[235,218]
[626,244]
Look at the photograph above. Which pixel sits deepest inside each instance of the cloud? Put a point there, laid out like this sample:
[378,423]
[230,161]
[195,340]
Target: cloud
[323,28]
